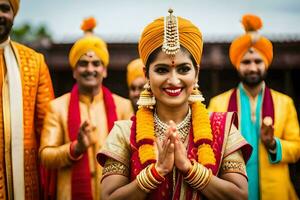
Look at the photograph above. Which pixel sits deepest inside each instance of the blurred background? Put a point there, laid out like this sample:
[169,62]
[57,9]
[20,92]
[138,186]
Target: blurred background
[51,27]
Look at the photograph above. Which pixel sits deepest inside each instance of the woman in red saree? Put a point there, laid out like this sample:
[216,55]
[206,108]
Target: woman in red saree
[173,148]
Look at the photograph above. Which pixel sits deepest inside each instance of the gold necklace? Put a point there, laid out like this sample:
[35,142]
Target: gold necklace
[183,127]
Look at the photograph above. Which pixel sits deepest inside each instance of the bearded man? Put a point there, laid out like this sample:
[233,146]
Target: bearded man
[267,118]
[25,91]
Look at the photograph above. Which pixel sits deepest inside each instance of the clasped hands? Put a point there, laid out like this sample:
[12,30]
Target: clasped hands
[171,152]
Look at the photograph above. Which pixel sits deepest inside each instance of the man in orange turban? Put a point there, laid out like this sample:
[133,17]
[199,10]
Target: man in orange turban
[78,122]
[135,80]
[268,119]
[25,91]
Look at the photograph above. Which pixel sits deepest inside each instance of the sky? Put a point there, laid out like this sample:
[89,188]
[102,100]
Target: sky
[124,20]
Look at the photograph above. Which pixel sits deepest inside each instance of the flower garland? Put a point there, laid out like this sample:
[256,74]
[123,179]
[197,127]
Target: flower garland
[202,134]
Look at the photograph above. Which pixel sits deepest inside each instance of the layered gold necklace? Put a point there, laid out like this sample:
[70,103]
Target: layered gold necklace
[183,128]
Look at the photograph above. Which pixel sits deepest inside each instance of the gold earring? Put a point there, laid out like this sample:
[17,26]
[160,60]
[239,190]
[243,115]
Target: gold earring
[146,97]
[196,95]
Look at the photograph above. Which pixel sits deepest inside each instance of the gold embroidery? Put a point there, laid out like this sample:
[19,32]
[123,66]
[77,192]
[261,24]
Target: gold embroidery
[230,166]
[113,167]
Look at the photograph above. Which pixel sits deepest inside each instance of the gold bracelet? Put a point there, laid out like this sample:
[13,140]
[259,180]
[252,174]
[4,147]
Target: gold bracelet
[202,179]
[145,180]
[140,185]
[151,177]
[201,175]
[207,180]
[201,171]
[198,174]
[191,171]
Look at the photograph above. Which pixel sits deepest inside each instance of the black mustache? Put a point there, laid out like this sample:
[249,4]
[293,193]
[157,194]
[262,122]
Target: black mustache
[85,74]
[251,73]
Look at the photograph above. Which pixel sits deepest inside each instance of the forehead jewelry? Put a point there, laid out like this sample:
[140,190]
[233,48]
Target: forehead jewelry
[171,44]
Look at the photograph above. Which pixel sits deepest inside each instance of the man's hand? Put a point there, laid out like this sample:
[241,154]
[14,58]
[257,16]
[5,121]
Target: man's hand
[86,137]
[267,133]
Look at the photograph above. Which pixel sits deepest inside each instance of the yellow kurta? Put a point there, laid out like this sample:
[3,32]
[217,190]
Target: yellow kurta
[37,92]
[274,178]
[55,142]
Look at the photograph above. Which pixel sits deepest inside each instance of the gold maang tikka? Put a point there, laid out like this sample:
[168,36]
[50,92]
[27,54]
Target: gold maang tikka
[171,44]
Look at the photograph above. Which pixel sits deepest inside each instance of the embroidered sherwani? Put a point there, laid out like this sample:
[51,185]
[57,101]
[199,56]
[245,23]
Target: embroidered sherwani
[55,141]
[272,175]
[36,92]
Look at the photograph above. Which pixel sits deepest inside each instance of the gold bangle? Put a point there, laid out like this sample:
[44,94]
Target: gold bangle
[198,174]
[191,171]
[145,180]
[207,180]
[140,185]
[200,181]
[151,177]
[201,171]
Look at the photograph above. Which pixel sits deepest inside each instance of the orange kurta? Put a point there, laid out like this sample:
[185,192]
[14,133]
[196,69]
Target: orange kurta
[55,141]
[37,92]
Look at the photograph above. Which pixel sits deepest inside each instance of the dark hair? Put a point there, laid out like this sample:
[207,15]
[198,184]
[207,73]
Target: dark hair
[155,53]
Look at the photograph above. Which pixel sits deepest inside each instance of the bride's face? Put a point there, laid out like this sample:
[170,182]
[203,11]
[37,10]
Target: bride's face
[172,78]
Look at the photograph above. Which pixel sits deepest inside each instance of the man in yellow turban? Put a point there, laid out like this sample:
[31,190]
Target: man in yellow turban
[267,118]
[25,91]
[78,122]
[135,80]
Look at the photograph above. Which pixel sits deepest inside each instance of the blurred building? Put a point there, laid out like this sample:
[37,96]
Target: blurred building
[216,74]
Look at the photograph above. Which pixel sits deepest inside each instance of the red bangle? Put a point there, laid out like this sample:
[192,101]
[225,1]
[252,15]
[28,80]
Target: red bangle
[156,175]
[72,151]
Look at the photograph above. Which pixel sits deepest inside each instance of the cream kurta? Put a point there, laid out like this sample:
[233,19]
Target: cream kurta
[55,142]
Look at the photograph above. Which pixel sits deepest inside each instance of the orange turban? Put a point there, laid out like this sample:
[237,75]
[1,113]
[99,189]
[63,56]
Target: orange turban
[249,40]
[88,43]
[135,70]
[15,5]
[152,38]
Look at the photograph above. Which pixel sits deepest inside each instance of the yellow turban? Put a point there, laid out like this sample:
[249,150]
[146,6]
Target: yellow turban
[135,70]
[15,5]
[152,38]
[86,44]
[249,40]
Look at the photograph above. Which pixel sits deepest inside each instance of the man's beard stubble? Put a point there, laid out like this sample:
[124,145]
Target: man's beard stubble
[252,79]
[5,28]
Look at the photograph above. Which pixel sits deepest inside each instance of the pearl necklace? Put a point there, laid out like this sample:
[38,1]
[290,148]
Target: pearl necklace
[183,127]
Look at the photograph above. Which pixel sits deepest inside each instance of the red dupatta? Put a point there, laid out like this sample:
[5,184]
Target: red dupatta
[81,176]
[267,104]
